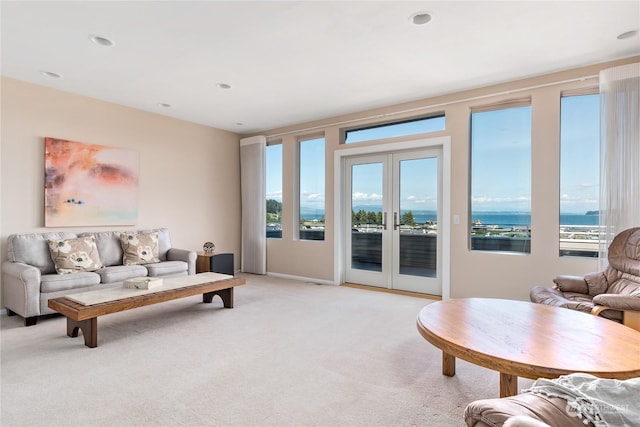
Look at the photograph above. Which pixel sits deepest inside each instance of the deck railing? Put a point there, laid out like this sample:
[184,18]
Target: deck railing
[419,250]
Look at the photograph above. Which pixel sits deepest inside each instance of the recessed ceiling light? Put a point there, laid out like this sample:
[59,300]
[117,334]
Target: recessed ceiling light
[164,105]
[421,18]
[50,74]
[100,40]
[223,86]
[627,35]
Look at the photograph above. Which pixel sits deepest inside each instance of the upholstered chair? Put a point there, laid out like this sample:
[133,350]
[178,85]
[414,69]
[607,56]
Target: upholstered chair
[613,293]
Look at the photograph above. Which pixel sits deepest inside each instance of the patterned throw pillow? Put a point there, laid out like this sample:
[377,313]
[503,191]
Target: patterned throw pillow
[73,255]
[139,248]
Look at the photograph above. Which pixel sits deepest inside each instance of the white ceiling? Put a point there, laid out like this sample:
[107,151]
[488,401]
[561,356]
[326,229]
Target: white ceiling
[294,61]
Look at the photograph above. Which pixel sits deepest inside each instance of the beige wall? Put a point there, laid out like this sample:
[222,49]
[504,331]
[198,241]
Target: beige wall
[189,177]
[189,174]
[472,273]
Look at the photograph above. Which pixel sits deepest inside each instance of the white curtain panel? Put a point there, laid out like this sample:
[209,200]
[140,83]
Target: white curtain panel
[254,204]
[619,153]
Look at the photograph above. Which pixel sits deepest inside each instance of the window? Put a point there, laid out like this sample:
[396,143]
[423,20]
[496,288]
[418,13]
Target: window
[579,175]
[274,190]
[400,128]
[311,186]
[501,178]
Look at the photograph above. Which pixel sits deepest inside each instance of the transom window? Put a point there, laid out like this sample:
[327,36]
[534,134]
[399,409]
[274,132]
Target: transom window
[394,129]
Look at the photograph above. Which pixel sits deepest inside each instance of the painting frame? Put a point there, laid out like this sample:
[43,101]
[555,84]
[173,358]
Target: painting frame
[89,184]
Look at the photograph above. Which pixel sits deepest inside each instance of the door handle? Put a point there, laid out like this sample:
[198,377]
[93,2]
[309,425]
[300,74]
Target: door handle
[384,220]
[396,224]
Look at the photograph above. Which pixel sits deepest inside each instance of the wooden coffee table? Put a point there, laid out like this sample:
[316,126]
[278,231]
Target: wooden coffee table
[82,309]
[529,340]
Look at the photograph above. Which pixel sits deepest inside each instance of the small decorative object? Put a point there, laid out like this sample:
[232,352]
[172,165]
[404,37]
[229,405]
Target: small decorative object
[209,247]
[143,282]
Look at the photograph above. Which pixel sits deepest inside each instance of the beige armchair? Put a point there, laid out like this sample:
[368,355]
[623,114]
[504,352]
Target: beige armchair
[613,293]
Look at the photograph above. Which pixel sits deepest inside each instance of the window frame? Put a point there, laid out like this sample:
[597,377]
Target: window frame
[590,90]
[297,184]
[525,101]
[271,143]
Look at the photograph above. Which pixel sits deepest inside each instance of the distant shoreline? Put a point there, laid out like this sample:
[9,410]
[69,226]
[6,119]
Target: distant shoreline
[495,218]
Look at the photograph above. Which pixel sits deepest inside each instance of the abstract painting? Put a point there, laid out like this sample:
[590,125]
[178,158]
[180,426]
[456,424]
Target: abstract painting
[89,185]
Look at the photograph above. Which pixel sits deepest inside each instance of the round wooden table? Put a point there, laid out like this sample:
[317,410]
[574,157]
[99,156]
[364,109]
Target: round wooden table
[529,340]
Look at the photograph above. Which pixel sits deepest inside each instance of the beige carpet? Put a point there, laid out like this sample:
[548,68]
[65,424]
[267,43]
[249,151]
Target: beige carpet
[289,354]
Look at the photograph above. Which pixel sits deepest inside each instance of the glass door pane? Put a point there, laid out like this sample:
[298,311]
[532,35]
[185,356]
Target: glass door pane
[418,212]
[366,216]
[367,234]
[416,247]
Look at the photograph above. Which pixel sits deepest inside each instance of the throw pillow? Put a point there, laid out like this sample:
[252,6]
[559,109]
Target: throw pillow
[139,248]
[73,255]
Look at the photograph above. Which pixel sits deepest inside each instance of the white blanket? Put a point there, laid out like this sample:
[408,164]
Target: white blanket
[604,402]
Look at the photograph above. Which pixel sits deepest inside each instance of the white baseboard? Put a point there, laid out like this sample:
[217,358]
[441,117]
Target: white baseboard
[302,279]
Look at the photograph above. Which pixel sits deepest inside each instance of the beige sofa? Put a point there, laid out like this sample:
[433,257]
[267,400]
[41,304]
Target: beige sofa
[30,277]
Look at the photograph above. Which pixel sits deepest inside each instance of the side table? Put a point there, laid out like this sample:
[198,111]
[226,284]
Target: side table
[216,262]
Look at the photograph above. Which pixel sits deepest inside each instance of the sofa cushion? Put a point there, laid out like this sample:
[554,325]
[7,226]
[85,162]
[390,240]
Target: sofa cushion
[74,255]
[627,285]
[64,282]
[118,273]
[164,241]
[555,297]
[33,249]
[571,300]
[139,248]
[167,268]
[109,247]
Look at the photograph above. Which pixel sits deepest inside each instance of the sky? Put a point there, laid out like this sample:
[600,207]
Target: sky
[274,172]
[580,154]
[501,163]
[418,184]
[501,160]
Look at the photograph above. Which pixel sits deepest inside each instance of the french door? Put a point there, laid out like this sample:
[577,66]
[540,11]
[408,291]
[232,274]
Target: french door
[392,213]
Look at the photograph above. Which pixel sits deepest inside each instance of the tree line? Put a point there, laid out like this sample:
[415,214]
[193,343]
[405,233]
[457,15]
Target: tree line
[274,212]
[371,217]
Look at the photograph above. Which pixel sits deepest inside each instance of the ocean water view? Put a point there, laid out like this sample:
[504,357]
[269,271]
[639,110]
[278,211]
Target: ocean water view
[505,219]
[490,231]
[518,219]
